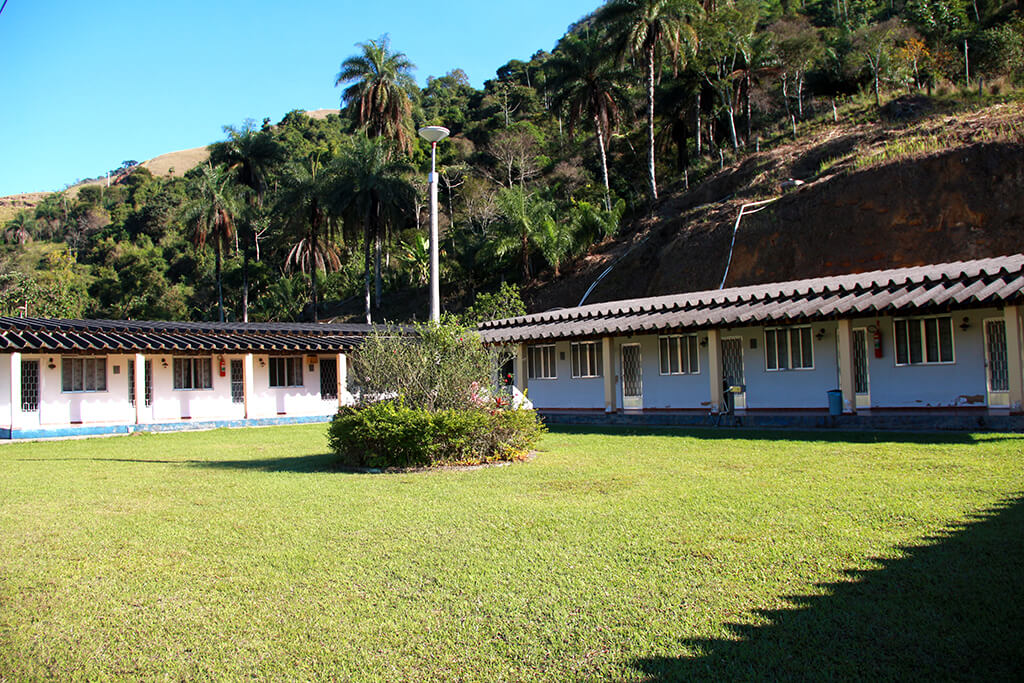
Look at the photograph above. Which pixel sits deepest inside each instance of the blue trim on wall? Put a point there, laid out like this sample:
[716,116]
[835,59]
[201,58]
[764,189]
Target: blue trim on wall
[102,430]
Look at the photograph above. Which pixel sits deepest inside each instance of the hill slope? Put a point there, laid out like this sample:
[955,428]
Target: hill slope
[874,195]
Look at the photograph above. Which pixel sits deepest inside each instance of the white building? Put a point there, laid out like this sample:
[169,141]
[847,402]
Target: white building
[80,377]
[940,339]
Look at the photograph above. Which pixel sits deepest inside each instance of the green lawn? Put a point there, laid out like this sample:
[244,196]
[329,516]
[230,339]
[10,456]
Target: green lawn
[661,555]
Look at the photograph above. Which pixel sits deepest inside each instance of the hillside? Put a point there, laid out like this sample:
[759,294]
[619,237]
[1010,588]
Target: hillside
[890,193]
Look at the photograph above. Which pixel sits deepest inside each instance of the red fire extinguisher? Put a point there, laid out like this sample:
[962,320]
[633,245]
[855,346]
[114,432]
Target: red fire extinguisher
[877,336]
[223,370]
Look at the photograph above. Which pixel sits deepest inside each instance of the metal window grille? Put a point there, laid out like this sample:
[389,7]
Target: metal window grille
[732,361]
[328,378]
[631,371]
[30,386]
[237,382]
[860,362]
[998,369]
[148,388]
[131,382]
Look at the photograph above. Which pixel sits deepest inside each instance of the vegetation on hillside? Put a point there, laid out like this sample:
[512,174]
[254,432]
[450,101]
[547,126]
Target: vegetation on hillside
[312,217]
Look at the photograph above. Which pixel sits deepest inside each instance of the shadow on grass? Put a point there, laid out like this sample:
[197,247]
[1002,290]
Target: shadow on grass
[322,462]
[743,433]
[950,609]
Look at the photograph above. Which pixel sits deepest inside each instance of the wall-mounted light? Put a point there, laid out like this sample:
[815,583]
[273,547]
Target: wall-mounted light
[50,364]
[163,362]
[820,335]
[703,341]
[263,362]
[966,324]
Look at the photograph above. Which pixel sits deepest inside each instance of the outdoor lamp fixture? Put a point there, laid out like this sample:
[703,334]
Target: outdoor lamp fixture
[51,364]
[966,324]
[704,341]
[163,362]
[433,135]
[820,335]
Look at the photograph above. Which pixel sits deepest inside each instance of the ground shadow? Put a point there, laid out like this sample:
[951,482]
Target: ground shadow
[786,434]
[321,462]
[949,609]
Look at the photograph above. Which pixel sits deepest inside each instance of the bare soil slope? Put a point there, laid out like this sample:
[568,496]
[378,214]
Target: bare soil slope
[883,195]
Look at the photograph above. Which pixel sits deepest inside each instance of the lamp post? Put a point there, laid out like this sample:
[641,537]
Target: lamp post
[434,135]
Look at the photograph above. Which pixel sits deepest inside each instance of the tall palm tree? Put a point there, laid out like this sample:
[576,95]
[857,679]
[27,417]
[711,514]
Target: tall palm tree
[379,96]
[305,206]
[644,29]
[210,216]
[250,154]
[19,229]
[525,218]
[374,196]
[586,83]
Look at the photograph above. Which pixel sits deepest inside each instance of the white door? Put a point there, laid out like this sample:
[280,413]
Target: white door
[632,377]
[732,370]
[996,364]
[861,379]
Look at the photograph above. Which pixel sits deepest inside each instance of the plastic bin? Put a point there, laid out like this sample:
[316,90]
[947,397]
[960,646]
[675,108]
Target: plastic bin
[835,402]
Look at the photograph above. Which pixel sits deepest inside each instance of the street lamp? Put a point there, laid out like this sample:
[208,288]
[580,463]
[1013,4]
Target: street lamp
[434,135]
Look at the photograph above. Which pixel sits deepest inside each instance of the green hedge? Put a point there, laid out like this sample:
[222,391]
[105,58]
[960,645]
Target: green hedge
[388,434]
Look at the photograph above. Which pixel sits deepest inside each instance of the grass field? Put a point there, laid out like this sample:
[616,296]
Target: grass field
[610,556]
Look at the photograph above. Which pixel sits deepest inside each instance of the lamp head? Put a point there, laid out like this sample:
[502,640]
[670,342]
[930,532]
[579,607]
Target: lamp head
[434,134]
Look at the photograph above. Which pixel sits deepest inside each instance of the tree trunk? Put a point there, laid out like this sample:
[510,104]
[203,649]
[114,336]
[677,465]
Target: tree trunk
[220,289]
[378,286]
[732,123]
[696,126]
[367,272]
[800,95]
[746,106]
[650,124]
[245,282]
[604,164]
[526,255]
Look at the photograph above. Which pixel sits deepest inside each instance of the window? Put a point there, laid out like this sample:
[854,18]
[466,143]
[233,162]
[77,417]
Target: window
[29,386]
[286,372]
[193,373]
[923,341]
[679,354]
[788,348]
[83,374]
[541,362]
[586,359]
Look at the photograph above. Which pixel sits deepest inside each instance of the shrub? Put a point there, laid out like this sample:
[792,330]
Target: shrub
[389,434]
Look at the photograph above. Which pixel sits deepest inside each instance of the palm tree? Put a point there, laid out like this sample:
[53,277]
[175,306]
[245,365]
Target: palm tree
[587,85]
[374,195]
[379,96]
[525,217]
[210,216]
[19,229]
[305,205]
[644,28]
[250,154]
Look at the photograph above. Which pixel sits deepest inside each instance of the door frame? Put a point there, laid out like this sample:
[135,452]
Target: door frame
[995,399]
[740,399]
[632,402]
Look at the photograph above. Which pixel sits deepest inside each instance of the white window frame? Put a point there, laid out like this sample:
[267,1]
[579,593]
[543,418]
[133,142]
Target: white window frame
[922,340]
[801,333]
[586,359]
[540,362]
[287,364]
[99,372]
[683,364]
[196,378]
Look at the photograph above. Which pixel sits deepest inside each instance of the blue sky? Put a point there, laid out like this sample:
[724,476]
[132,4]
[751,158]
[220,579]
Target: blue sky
[87,85]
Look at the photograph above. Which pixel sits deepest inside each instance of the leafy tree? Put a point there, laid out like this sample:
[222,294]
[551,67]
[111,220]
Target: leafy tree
[798,46]
[645,29]
[414,254]
[19,229]
[875,45]
[524,218]
[373,199]
[507,302]
[587,85]
[379,96]
[210,215]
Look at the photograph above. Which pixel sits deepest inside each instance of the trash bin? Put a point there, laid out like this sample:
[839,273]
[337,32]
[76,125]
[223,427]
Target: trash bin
[835,402]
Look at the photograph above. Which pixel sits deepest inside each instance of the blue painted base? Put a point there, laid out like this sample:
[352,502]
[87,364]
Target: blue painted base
[102,430]
[901,422]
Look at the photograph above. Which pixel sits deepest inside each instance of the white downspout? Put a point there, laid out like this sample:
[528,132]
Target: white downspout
[743,212]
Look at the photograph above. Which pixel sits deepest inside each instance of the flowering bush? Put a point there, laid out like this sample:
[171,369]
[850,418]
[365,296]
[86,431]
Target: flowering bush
[430,398]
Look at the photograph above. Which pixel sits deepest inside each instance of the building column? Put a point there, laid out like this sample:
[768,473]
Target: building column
[249,378]
[521,368]
[845,360]
[140,386]
[608,372]
[1014,357]
[715,369]
[15,391]
[342,373]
